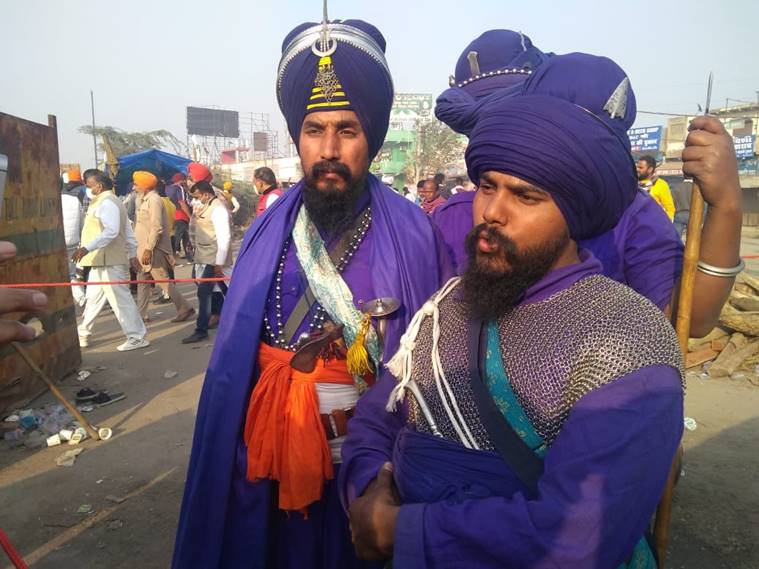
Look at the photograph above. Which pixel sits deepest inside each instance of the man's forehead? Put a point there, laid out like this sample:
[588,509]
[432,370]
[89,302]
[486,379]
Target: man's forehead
[327,118]
[514,182]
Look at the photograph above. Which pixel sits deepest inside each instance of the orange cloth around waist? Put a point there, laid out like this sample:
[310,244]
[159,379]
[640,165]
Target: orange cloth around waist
[283,429]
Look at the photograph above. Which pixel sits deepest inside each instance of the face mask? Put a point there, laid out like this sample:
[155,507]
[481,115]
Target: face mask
[89,193]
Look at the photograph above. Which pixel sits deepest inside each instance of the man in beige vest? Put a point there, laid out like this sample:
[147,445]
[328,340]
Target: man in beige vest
[211,236]
[154,246]
[108,248]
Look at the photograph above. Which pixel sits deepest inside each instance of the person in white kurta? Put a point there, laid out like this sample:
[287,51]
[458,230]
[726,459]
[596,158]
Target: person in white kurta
[108,247]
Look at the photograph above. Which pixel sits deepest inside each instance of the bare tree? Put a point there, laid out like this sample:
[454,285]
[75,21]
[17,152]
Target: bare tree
[130,142]
[437,148]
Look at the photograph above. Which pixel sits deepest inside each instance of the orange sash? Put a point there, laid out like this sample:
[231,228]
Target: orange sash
[283,429]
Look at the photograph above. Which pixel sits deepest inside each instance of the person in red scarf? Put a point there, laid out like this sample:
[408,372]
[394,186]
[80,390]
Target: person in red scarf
[431,197]
[177,193]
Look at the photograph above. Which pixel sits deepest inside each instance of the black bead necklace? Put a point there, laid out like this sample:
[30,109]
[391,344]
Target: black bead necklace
[276,337]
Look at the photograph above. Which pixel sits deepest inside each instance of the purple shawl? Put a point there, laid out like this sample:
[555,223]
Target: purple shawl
[212,530]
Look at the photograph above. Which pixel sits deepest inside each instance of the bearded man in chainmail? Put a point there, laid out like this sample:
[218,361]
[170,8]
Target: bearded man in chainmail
[534,408]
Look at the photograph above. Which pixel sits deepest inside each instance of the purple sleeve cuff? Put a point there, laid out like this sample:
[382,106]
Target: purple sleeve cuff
[408,549]
[362,472]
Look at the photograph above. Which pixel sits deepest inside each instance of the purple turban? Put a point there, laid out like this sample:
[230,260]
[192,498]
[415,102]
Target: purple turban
[505,59]
[354,77]
[595,83]
[562,149]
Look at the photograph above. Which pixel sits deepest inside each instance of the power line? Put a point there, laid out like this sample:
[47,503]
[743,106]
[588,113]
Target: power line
[664,114]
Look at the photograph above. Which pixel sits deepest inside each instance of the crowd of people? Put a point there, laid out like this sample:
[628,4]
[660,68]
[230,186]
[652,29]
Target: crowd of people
[139,237]
[433,192]
[523,405]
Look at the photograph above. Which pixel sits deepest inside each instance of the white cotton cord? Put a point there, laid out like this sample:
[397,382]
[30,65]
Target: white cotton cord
[402,363]
[443,388]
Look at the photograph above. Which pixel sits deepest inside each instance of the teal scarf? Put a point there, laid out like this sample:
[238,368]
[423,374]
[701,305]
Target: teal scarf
[506,400]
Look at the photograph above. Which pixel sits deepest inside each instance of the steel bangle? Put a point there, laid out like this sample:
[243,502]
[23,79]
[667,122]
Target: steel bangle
[728,273]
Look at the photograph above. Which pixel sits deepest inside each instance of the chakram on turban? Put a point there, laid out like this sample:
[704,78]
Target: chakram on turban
[562,149]
[349,72]
[593,82]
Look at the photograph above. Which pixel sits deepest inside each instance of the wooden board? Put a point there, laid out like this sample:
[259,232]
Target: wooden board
[746,322]
[716,333]
[700,356]
[32,219]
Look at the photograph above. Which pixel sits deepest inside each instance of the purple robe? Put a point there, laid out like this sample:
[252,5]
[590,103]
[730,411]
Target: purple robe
[603,475]
[643,250]
[454,220]
[227,521]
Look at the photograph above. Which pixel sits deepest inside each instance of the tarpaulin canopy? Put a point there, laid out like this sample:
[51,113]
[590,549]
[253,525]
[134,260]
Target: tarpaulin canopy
[162,164]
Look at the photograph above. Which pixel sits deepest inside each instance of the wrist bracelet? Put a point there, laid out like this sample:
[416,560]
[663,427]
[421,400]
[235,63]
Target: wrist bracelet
[729,273]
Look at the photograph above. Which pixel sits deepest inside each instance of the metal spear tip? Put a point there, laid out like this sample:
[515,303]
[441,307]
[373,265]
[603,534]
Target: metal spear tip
[380,307]
[709,93]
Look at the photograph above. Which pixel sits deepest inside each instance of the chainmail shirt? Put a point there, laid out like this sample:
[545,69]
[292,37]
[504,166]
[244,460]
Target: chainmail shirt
[554,352]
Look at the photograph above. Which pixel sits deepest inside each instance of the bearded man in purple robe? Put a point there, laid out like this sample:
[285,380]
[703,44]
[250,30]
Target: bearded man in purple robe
[260,489]
[533,411]
[643,250]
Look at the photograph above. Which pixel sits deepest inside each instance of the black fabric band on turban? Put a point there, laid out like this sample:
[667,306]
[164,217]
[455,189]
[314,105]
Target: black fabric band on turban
[563,150]
[365,84]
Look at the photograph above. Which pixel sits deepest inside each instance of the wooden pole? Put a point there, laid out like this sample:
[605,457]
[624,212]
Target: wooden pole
[682,326]
[55,391]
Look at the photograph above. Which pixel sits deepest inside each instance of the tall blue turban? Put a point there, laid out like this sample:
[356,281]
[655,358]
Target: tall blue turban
[595,83]
[562,149]
[505,60]
[354,77]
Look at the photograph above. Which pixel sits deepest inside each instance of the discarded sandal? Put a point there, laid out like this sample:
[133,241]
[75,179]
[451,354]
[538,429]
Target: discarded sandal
[84,395]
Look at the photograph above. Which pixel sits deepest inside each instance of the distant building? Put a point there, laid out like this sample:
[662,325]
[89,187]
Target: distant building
[667,144]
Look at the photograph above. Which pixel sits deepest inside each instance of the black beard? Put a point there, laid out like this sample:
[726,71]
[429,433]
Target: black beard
[490,294]
[330,209]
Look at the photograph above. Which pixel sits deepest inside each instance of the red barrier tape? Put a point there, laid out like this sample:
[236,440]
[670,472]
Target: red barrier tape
[11,552]
[84,283]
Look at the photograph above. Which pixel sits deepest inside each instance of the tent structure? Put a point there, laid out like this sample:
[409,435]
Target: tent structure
[162,164]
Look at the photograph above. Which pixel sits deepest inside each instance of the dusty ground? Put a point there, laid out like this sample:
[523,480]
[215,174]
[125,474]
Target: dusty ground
[145,461]
[715,521]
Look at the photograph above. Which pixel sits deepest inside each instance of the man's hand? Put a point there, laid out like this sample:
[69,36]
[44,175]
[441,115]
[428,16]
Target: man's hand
[79,254]
[17,300]
[373,516]
[218,271]
[135,265]
[709,157]
[147,257]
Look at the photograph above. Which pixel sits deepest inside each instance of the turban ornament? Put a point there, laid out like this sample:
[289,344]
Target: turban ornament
[336,65]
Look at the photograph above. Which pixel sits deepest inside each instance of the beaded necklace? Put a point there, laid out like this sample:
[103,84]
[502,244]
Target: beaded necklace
[317,322]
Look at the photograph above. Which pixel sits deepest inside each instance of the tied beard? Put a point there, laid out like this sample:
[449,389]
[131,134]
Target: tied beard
[332,210]
[491,292]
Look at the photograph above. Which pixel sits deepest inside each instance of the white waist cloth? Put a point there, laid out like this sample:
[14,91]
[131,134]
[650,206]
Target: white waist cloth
[335,396]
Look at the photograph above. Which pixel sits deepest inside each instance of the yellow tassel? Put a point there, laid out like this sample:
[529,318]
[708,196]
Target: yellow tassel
[358,356]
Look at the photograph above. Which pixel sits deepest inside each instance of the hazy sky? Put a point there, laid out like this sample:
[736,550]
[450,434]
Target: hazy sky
[146,60]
